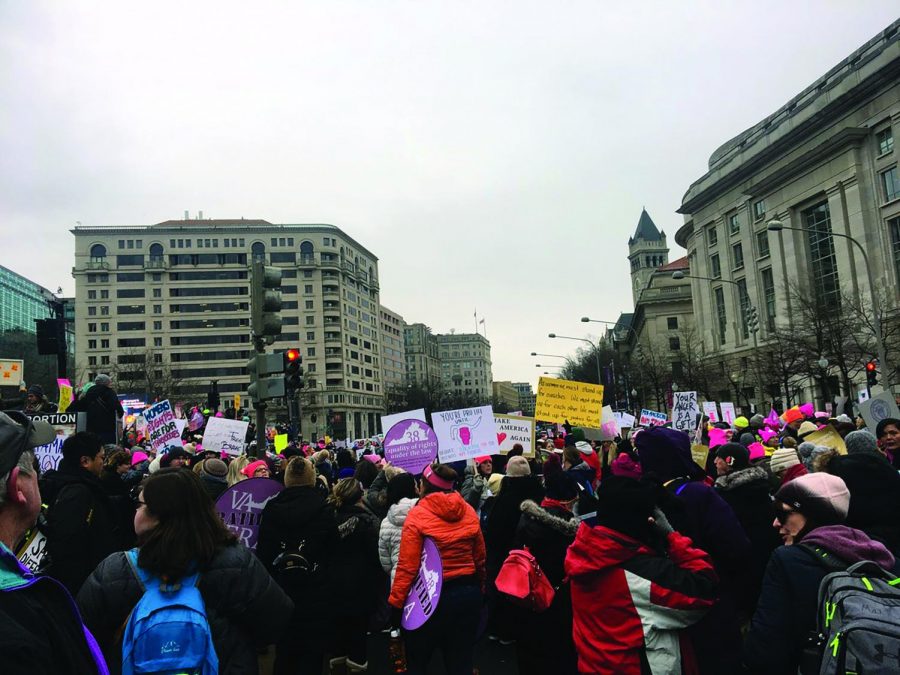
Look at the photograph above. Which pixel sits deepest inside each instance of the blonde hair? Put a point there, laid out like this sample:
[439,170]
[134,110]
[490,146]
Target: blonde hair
[234,474]
[346,491]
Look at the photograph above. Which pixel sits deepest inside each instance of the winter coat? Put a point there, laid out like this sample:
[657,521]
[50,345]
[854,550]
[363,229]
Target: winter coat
[501,522]
[41,633]
[629,601]
[246,609]
[301,514]
[83,525]
[389,534]
[474,488]
[355,575]
[454,527]
[787,608]
[584,475]
[103,408]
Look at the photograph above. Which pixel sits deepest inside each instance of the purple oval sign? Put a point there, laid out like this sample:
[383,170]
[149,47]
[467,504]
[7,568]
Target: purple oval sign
[241,507]
[410,444]
[426,589]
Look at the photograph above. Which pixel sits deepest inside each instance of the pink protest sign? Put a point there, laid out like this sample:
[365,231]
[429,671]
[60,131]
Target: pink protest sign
[411,445]
[426,589]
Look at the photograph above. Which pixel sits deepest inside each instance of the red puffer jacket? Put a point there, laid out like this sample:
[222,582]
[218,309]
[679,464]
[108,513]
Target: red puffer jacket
[454,526]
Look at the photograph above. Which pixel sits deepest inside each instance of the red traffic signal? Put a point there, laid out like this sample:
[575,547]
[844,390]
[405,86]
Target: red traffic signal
[292,354]
[870,366]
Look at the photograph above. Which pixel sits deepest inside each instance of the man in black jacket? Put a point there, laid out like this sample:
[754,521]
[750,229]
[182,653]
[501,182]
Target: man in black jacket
[81,521]
[103,409]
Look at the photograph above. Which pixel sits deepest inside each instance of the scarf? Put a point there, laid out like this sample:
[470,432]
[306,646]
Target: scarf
[548,503]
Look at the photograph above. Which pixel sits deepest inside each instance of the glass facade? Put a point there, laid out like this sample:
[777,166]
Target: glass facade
[822,260]
[21,302]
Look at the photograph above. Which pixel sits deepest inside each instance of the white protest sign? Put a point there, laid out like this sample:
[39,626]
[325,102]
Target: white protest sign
[390,420]
[465,433]
[651,418]
[512,429]
[180,425]
[33,550]
[727,412]
[224,435]
[624,420]
[863,395]
[64,424]
[877,408]
[685,410]
[711,411]
[162,432]
[11,372]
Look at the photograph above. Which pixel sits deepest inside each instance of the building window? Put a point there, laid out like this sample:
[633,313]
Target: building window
[104,344]
[759,209]
[92,344]
[308,289]
[737,256]
[768,289]
[672,323]
[894,227]
[762,243]
[310,320]
[715,266]
[157,342]
[674,344]
[721,316]
[310,351]
[734,224]
[92,328]
[157,325]
[890,181]
[744,302]
[885,139]
[98,253]
[104,327]
[822,260]
[310,337]
[309,304]
[712,235]
[92,311]
[104,294]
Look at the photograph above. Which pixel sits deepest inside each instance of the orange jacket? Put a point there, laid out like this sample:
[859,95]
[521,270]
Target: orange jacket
[452,523]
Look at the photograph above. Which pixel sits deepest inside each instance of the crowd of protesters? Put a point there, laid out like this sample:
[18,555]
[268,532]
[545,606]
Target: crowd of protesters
[662,560]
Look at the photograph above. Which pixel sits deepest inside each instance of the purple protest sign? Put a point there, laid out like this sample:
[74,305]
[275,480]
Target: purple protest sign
[426,589]
[241,505]
[410,445]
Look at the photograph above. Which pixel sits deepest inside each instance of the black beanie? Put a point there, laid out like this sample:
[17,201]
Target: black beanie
[735,455]
[560,486]
[624,504]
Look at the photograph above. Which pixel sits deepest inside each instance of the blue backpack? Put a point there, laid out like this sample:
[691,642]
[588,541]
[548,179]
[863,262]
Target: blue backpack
[167,631]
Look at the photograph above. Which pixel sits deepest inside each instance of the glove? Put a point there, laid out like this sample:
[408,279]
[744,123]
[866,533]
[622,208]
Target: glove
[396,617]
[660,523]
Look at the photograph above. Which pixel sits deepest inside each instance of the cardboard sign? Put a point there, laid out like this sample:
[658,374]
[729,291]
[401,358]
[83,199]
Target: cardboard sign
[241,507]
[162,432]
[425,591]
[65,425]
[829,437]
[465,433]
[389,421]
[711,411]
[879,407]
[32,552]
[699,453]
[224,435]
[580,403]
[512,429]
[624,420]
[685,410]
[651,418]
[410,444]
[66,395]
[12,372]
[728,412]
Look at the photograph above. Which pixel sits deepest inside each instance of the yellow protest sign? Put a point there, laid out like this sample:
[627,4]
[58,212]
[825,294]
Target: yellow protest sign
[829,437]
[237,401]
[580,403]
[65,394]
[700,453]
[281,441]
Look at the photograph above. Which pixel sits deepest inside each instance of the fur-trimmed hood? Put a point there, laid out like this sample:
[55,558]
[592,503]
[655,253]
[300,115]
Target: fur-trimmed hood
[736,479]
[532,510]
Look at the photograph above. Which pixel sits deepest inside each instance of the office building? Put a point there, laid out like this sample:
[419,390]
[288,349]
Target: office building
[22,302]
[504,396]
[423,366]
[466,364]
[527,398]
[393,351]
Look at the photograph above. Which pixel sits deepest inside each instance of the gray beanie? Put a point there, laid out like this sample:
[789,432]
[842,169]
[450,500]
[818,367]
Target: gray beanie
[804,450]
[861,443]
[747,440]
[103,378]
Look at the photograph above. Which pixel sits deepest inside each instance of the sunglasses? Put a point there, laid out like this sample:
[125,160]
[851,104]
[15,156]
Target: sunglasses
[782,515]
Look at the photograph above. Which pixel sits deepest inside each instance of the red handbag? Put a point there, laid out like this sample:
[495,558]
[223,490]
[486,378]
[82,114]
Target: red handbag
[523,581]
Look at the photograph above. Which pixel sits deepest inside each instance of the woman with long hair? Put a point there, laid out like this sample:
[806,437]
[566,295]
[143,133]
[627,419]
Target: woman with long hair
[179,533]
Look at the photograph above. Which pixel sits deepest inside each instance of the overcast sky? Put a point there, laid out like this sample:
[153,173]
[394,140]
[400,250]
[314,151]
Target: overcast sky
[493,155]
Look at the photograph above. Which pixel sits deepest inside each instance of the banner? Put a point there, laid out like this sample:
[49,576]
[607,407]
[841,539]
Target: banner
[580,403]
[241,506]
[512,429]
[390,420]
[162,432]
[685,410]
[65,425]
[11,372]
[410,444]
[711,411]
[727,412]
[224,435]
[877,408]
[425,591]
[651,418]
[465,433]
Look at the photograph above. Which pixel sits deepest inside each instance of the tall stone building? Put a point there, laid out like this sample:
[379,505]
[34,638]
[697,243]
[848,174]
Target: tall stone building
[466,364]
[393,351]
[647,252]
[527,398]
[423,365]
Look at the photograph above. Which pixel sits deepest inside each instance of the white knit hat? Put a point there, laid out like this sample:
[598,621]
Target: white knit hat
[783,459]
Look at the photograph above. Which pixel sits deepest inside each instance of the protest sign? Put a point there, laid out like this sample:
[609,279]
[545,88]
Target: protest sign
[710,410]
[65,395]
[699,453]
[426,588]
[512,429]
[224,435]
[877,408]
[180,425]
[410,444]
[11,372]
[465,433]
[241,506]
[863,395]
[727,412]
[829,437]
[32,552]
[281,442]
[651,418]
[162,432]
[579,403]
[237,401]
[685,410]
[624,420]
[65,425]
[390,420]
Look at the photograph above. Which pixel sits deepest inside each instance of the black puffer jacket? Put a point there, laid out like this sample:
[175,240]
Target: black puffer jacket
[245,607]
[500,525]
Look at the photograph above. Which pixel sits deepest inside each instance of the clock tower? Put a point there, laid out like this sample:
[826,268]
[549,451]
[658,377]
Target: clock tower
[647,251]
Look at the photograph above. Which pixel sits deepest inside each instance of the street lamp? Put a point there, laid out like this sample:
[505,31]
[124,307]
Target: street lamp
[778,226]
[595,347]
[555,356]
[538,365]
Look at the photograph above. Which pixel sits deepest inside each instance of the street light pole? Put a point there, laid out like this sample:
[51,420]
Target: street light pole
[778,226]
[595,347]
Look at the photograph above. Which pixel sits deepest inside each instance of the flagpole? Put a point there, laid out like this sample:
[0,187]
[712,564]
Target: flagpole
[476,323]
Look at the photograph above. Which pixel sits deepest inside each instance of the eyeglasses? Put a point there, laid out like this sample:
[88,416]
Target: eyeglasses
[782,515]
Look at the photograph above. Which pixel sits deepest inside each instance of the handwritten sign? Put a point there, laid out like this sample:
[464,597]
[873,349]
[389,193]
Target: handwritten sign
[465,433]
[224,435]
[33,550]
[411,445]
[711,411]
[624,420]
[65,425]
[65,394]
[11,372]
[651,418]
[580,403]
[728,412]
[389,421]
[685,410]
[162,432]
[512,429]
[829,437]
[241,507]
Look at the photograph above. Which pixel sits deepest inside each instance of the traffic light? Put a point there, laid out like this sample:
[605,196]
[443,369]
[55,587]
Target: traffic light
[265,302]
[871,373]
[266,377]
[293,370]
[752,319]
[213,395]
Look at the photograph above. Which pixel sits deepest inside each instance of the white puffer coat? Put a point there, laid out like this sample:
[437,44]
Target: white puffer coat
[389,534]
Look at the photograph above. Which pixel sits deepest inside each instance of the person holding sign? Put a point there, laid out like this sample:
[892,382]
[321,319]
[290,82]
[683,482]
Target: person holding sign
[451,523]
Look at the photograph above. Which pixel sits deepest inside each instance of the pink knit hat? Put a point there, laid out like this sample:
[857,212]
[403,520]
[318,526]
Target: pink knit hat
[623,465]
[251,468]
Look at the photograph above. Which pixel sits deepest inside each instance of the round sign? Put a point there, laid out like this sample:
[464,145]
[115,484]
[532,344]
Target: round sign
[426,589]
[410,444]
[242,504]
